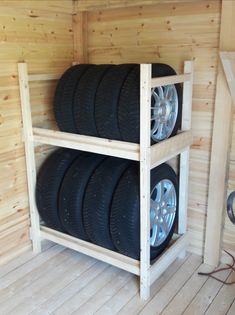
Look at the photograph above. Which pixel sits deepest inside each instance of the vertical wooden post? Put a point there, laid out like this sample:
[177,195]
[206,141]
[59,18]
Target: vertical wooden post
[221,142]
[80,37]
[184,156]
[29,154]
[145,116]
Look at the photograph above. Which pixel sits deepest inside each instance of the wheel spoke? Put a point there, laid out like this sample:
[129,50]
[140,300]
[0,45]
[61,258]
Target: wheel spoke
[160,92]
[162,134]
[159,191]
[154,235]
[159,231]
[156,97]
[152,217]
[160,130]
[167,129]
[164,225]
[172,116]
[155,117]
[167,91]
[168,193]
[170,92]
[155,128]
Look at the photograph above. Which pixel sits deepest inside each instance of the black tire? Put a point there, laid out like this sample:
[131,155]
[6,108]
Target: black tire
[107,100]
[125,211]
[48,185]
[84,100]
[72,193]
[64,97]
[98,198]
[129,102]
[129,107]
[230,211]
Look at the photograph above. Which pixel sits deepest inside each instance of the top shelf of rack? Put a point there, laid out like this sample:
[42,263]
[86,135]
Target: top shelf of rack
[159,152]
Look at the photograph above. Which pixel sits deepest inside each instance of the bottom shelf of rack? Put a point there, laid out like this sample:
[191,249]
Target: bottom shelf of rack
[121,261]
[98,252]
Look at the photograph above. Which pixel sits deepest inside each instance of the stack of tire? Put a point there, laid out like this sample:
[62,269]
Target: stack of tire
[97,198]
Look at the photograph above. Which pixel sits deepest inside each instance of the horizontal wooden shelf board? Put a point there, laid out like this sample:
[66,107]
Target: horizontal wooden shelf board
[160,152]
[85,143]
[98,252]
[167,258]
[172,79]
[167,149]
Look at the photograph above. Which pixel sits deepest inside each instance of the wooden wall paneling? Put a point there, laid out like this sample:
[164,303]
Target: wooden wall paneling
[40,33]
[84,5]
[58,6]
[221,142]
[80,36]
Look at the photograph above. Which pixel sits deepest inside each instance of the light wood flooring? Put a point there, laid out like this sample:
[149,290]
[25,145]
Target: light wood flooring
[60,281]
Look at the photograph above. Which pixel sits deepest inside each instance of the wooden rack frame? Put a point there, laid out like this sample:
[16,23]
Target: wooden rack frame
[148,157]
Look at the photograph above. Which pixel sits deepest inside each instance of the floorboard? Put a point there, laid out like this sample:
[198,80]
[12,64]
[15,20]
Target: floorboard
[231,310]
[172,287]
[183,298]
[206,295]
[135,304]
[60,281]
[223,299]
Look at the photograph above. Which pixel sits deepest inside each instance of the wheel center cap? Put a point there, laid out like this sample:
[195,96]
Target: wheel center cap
[164,110]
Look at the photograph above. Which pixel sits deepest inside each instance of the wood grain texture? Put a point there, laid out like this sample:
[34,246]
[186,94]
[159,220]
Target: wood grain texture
[80,27]
[29,285]
[84,5]
[39,33]
[169,33]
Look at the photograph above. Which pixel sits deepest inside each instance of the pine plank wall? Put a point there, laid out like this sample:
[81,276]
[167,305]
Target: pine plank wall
[39,33]
[48,37]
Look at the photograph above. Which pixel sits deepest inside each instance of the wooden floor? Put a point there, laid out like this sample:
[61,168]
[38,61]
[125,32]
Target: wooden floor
[61,281]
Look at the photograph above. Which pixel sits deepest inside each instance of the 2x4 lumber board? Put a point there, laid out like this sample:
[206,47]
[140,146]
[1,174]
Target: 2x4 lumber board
[80,36]
[228,61]
[171,79]
[86,143]
[221,143]
[167,258]
[43,77]
[29,154]
[98,252]
[145,114]
[184,156]
[167,149]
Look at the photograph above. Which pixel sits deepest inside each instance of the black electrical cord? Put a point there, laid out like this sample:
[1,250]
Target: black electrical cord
[229,267]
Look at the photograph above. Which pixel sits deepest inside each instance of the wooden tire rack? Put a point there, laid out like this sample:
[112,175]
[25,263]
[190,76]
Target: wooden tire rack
[148,157]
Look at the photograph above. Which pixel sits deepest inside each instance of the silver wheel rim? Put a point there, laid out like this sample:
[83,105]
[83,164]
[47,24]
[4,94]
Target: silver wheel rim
[164,111]
[162,211]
